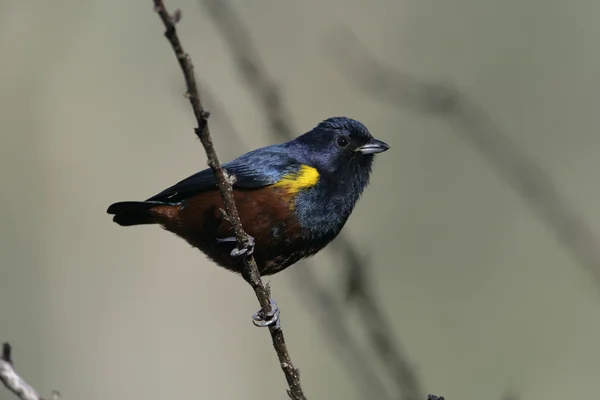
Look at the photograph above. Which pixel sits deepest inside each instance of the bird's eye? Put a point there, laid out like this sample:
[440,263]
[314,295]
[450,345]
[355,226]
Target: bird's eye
[342,141]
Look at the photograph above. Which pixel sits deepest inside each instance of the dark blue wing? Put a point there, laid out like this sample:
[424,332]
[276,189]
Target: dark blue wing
[256,169]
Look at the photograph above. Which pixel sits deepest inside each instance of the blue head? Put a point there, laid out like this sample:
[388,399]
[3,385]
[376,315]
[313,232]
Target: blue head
[342,147]
[342,150]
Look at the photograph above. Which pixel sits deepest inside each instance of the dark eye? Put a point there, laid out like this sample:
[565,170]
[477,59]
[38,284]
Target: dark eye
[342,141]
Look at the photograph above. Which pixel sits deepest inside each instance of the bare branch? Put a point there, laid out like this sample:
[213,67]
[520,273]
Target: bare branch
[522,173]
[251,274]
[261,85]
[13,381]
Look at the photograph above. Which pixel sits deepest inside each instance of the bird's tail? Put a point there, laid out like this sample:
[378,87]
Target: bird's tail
[128,213]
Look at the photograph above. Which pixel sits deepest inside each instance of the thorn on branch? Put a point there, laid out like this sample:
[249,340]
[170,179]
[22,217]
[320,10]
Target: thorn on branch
[176,16]
[224,215]
[231,178]
[6,353]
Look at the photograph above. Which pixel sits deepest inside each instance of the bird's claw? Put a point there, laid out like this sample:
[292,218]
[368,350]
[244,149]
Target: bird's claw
[245,251]
[262,319]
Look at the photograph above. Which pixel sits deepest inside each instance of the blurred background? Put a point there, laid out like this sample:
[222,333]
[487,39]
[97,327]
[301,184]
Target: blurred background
[469,268]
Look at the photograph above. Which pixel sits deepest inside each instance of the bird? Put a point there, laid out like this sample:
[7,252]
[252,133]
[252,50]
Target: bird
[293,199]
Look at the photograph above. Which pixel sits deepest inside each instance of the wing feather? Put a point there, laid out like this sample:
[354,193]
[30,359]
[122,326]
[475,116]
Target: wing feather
[252,170]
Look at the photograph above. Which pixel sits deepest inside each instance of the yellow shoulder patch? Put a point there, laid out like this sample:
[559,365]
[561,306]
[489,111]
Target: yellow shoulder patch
[305,178]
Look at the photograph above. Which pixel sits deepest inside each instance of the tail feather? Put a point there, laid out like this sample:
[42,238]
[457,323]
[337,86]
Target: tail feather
[128,213]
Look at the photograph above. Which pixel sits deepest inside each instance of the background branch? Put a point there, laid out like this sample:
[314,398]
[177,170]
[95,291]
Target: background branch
[523,174]
[224,184]
[358,287]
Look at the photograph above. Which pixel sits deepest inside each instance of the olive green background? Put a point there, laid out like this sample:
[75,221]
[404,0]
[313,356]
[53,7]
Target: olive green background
[483,296]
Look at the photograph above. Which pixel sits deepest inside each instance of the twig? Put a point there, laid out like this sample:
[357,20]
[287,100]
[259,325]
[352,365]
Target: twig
[223,181]
[522,173]
[249,65]
[13,381]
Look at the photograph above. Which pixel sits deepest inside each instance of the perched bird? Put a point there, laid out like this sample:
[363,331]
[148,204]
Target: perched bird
[293,198]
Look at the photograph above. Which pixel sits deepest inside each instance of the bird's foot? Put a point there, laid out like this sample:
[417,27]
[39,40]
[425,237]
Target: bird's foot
[245,251]
[263,319]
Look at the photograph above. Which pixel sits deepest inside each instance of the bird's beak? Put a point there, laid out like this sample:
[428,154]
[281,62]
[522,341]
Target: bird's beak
[373,147]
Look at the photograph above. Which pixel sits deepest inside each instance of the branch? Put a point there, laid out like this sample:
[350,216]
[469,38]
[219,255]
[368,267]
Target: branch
[521,172]
[261,85]
[224,183]
[13,381]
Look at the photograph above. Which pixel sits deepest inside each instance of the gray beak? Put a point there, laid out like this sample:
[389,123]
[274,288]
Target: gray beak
[373,147]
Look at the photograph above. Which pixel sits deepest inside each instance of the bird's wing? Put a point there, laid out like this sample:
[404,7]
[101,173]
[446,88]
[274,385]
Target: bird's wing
[252,170]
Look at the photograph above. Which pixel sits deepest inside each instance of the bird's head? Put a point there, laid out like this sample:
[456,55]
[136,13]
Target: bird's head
[341,145]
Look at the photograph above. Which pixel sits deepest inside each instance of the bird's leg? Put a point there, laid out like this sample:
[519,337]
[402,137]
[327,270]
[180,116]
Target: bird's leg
[246,251]
[263,319]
